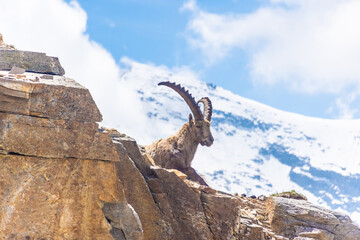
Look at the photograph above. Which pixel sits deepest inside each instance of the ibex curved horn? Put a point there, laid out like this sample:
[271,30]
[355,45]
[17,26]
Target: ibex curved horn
[207,107]
[195,109]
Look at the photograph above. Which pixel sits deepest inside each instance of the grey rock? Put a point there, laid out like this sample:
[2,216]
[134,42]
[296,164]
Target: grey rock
[314,233]
[304,238]
[117,234]
[17,70]
[58,98]
[123,217]
[262,197]
[47,76]
[30,61]
[300,218]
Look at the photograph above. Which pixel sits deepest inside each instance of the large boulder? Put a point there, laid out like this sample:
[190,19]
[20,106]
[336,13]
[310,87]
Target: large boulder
[53,97]
[299,218]
[29,61]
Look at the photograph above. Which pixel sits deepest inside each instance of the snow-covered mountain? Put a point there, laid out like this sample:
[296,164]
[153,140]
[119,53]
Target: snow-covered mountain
[257,149]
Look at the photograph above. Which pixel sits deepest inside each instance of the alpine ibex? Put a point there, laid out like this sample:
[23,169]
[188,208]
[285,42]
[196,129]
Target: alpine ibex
[178,151]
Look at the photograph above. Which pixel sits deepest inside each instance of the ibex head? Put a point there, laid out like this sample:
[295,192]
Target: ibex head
[201,122]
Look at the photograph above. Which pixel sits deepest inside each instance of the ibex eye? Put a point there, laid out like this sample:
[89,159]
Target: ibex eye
[198,126]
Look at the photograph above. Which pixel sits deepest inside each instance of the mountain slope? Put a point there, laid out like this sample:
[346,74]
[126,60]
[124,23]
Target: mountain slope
[257,149]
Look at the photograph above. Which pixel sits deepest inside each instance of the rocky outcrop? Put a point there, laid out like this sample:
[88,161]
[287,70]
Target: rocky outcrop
[172,207]
[45,96]
[61,177]
[31,61]
[58,178]
[295,218]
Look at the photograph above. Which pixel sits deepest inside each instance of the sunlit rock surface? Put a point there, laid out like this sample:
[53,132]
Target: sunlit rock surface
[61,177]
[293,218]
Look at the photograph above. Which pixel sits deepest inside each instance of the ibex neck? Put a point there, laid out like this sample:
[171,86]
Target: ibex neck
[187,143]
[188,133]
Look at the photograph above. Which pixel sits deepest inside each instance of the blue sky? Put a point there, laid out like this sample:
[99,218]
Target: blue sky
[155,32]
[158,32]
[149,31]
[296,55]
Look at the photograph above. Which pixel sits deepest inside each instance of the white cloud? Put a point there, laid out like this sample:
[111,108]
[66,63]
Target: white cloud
[189,5]
[342,106]
[311,46]
[355,216]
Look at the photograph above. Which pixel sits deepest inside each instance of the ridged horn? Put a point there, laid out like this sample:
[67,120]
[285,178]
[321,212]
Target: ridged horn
[207,107]
[195,109]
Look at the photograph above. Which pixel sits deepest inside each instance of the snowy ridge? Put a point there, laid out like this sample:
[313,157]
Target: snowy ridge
[257,149]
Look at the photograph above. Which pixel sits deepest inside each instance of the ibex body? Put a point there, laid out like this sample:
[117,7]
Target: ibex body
[178,150]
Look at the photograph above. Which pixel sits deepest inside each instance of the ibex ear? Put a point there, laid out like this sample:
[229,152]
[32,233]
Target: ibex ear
[190,119]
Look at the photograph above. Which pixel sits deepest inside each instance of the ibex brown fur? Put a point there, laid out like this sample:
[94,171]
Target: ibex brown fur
[178,151]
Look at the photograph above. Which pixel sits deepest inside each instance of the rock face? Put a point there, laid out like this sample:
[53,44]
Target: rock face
[31,61]
[172,207]
[300,218]
[58,178]
[45,96]
[61,177]
[44,198]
